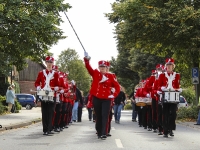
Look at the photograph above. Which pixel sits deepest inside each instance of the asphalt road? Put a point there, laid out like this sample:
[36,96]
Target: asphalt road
[81,136]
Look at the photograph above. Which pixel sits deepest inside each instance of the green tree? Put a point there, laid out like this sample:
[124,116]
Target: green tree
[68,61]
[28,29]
[165,28]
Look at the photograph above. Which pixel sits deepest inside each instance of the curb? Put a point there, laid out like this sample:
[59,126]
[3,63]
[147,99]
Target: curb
[19,125]
[189,125]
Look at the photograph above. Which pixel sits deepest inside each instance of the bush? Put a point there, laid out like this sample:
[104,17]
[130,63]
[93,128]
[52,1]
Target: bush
[189,95]
[128,106]
[3,105]
[188,113]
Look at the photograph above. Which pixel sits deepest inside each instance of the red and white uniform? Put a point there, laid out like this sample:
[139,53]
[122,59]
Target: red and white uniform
[45,83]
[102,83]
[169,81]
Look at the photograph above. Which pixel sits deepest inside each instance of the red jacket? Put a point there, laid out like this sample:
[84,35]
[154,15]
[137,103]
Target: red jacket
[141,92]
[150,86]
[90,102]
[163,80]
[70,93]
[102,90]
[154,90]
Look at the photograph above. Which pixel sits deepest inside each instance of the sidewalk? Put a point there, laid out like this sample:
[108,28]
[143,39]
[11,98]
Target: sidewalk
[189,124]
[23,118]
[27,117]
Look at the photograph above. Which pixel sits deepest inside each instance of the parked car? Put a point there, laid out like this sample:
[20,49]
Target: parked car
[183,102]
[26,100]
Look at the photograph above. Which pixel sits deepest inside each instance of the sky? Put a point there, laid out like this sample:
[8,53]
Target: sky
[93,29]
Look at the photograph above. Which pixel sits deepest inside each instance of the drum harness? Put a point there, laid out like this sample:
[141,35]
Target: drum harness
[47,87]
[169,86]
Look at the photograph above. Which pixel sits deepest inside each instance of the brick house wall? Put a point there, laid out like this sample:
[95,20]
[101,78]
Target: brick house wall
[28,76]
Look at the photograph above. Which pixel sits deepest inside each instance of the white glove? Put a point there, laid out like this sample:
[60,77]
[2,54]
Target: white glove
[163,88]
[56,88]
[110,96]
[113,90]
[180,90]
[38,88]
[148,95]
[86,55]
[73,82]
[62,91]
[159,92]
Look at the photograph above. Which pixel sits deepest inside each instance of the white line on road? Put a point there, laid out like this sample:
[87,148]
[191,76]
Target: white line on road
[119,143]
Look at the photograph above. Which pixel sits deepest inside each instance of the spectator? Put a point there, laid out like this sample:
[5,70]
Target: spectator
[133,102]
[80,104]
[119,104]
[198,120]
[88,102]
[10,97]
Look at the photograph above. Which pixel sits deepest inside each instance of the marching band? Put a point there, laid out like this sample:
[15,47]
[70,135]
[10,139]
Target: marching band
[162,89]
[156,98]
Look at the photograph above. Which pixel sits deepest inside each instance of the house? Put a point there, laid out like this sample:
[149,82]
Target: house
[26,78]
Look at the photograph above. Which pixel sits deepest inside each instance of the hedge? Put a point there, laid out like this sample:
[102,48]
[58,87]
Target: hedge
[188,113]
[4,107]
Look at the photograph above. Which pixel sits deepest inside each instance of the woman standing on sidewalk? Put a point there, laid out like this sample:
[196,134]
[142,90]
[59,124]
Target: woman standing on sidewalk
[10,98]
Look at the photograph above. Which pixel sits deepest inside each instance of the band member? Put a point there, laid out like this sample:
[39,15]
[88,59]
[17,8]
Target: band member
[63,122]
[112,103]
[47,80]
[148,88]
[140,94]
[156,104]
[169,81]
[101,92]
[59,102]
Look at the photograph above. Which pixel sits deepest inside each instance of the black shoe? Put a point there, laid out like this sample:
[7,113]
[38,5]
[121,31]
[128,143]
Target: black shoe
[155,131]
[108,134]
[103,137]
[74,120]
[165,136]
[50,132]
[171,133]
[61,129]
[45,133]
[56,130]
[140,125]
[160,133]
[89,119]
[66,126]
[145,127]
[149,129]
[134,120]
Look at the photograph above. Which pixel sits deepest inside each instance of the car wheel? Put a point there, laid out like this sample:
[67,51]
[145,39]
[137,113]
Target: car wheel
[28,106]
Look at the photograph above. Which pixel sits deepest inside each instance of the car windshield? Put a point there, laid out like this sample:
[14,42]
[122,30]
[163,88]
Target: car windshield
[182,99]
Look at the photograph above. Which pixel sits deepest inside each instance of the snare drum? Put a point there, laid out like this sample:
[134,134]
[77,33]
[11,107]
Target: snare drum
[171,97]
[148,101]
[140,101]
[46,95]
